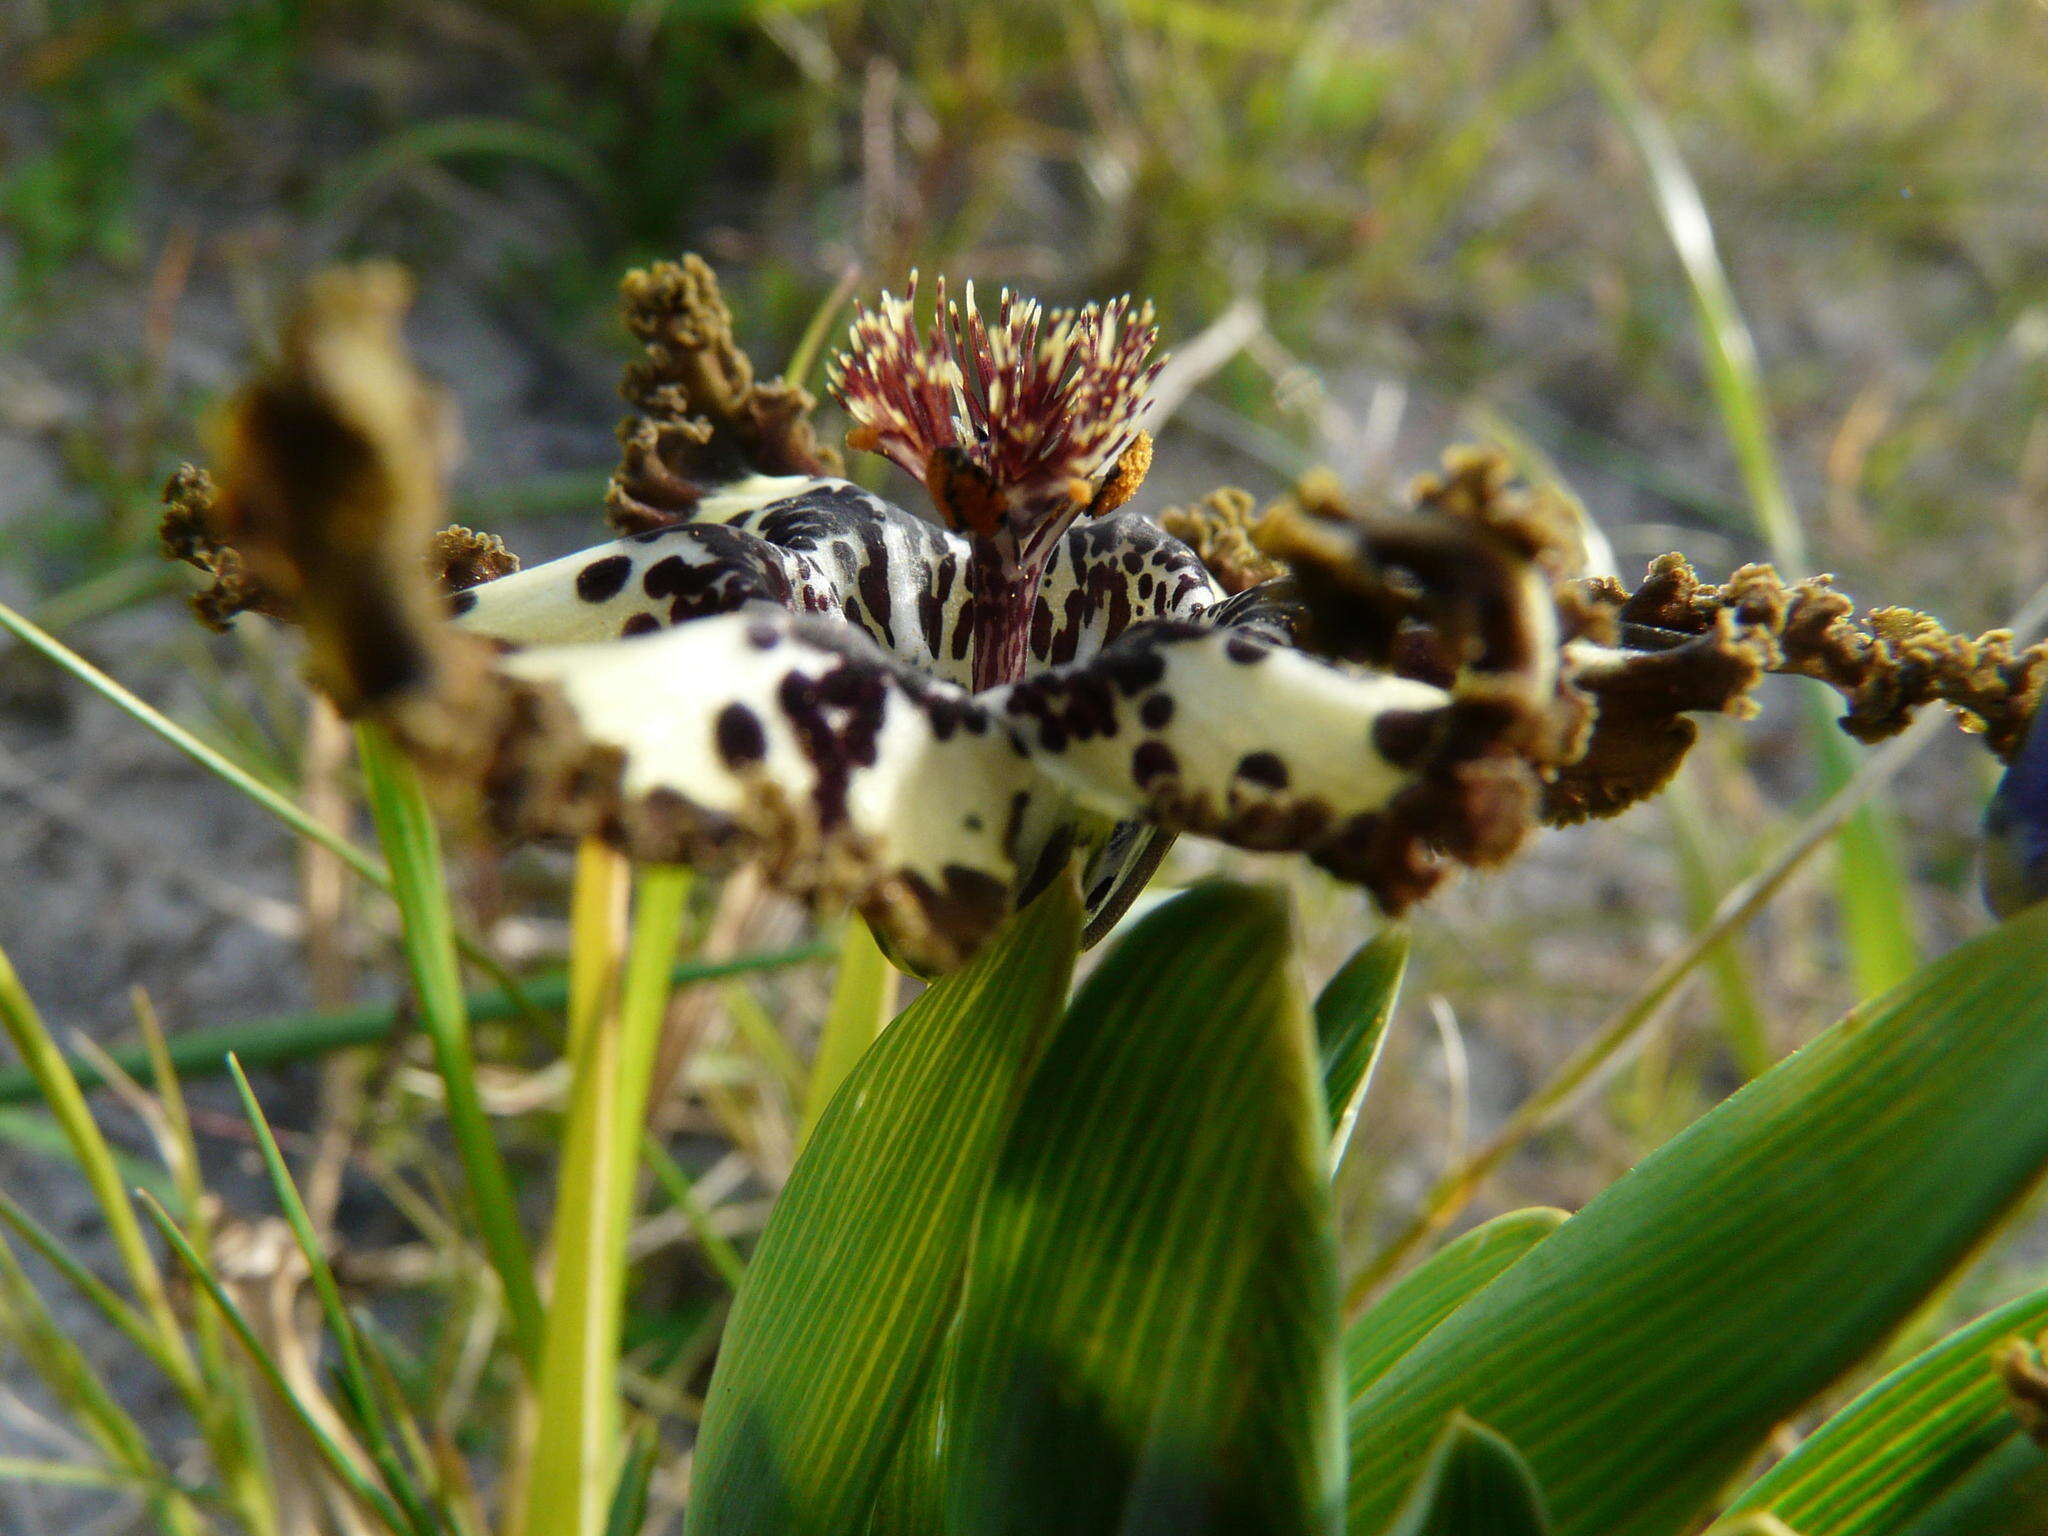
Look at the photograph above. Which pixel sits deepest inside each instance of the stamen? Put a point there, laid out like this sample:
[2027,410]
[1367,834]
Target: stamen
[1015,428]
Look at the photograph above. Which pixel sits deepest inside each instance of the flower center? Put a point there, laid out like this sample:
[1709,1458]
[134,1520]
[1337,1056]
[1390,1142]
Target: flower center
[1015,428]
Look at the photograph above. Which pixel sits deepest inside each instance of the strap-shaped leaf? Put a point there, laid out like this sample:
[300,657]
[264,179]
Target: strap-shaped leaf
[1638,1355]
[1474,1484]
[1351,1015]
[1937,1424]
[835,1328]
[1148,1336]
[2006,1495]
[1436,1288]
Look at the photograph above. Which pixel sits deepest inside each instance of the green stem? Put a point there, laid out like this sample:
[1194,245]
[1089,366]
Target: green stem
[577,1436]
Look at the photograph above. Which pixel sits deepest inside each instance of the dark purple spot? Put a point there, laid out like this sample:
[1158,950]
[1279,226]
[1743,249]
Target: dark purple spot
[602,580]
[741,741]
[640,624]
[1157,712]
[1244,651]
[1402,736]
[1153,760]
[1263,768]
[664,577]
[460,603]
[1133,668]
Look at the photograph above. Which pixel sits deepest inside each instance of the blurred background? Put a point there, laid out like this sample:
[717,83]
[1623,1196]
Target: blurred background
[1380,228]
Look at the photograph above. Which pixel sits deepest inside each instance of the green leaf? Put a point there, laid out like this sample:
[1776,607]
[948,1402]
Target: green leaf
[1935,1425]
[405,828]
[835,1329]
[1351,1028]
[1641,1353]
[2005,1495]
[1148,1334]
[1436,1288]
[1474,1484]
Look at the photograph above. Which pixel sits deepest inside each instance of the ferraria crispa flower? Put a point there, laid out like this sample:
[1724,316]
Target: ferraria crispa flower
[932,717]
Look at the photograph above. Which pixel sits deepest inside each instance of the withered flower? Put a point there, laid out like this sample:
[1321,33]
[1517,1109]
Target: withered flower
[931,718]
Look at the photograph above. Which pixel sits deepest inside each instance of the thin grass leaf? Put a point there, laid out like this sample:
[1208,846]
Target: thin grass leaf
[1436,1288]
[102,1170]
[803,358]
[577,1438]
[427,1469]
[718,1250]
[628,1512]
[1351,1013]
[848,1294]
[354,182]
[1871,886]
[1148,1330]
[52,649]
[1641,1353]
[1739,1014]
[300,1036]
[72,1380]
[339,1463]
[1938,1423]
[863,1001]
[359,1396]
[72,1474]
[758,1030]
[33,1131]
[405,828]
[230,1417]
[133,1326]
[1474,1484]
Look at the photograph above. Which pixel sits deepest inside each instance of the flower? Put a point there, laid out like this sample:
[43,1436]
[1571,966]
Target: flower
[934,717]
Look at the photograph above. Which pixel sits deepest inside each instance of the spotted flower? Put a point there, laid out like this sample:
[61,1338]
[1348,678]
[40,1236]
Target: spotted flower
[932,716]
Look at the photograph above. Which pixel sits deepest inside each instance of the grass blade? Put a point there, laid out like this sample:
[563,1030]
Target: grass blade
[719,1252]
[96,1160]
[136,1328]
[73,1381]
[628,1512]
[359,1394]
[296,1037]
[1872,885]
[339,1463]
[405,828]
[279,806]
